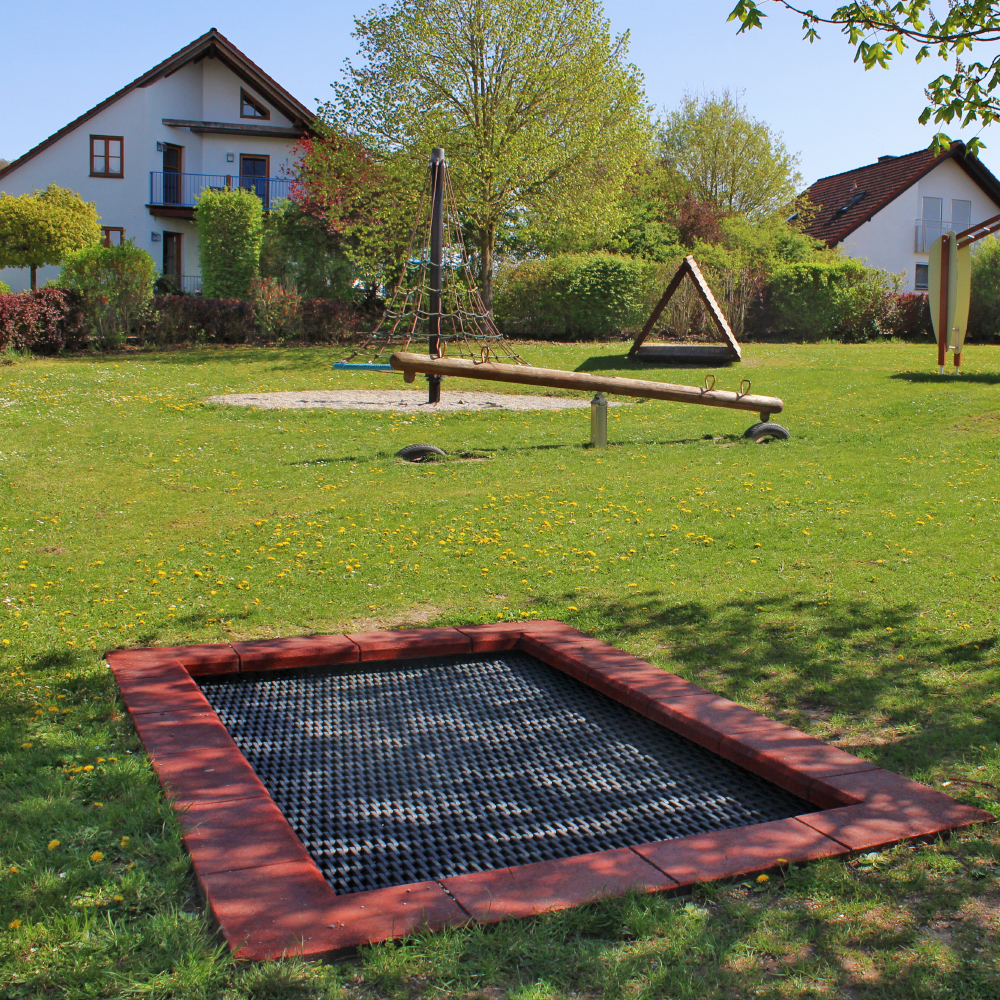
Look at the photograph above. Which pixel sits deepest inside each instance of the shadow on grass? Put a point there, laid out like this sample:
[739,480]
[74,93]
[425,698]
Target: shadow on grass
[873,664]
[623,363]
[947,378]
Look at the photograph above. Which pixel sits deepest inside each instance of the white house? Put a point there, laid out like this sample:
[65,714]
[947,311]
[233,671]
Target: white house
[205,117]
[890,212]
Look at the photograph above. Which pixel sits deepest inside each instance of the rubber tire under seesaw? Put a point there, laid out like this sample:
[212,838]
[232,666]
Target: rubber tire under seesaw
[419,452]
[766,431]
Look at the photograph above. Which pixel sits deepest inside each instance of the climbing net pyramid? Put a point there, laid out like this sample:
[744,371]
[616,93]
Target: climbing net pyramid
[436,300]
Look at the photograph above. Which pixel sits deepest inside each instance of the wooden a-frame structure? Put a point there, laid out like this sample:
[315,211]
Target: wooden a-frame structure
[728,351]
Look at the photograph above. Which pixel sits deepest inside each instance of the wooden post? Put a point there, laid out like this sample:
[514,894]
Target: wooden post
[943,330]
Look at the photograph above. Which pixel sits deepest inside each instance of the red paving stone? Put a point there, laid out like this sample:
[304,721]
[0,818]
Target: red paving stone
[708,719]
[296,652]
[203,775]
[180,732]
[554,885]
[290,909]
[742,851]
[890,808]
[408,642]
[167,688]
[215,658]
[237,834]
[270,898]
[789,758]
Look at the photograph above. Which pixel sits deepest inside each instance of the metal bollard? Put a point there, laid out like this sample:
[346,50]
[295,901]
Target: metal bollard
[599,421]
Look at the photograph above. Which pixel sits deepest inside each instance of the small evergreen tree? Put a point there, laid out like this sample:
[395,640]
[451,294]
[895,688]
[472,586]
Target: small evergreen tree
[230,229]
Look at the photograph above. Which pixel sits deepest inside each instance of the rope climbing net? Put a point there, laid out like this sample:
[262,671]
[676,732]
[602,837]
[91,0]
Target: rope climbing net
[437,298]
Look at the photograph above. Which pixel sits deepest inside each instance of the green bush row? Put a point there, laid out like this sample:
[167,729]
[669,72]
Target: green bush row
[825,296]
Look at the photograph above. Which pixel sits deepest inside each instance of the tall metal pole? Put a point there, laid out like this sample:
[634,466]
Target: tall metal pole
[437,168]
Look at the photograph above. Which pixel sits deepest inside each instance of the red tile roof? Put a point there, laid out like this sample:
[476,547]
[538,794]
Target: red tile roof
[848,200]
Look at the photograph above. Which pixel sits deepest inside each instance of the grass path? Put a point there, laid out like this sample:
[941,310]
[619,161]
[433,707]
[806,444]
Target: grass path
[844,581]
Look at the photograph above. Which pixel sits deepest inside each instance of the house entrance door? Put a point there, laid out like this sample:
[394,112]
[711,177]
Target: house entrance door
[172,258]
[172,181]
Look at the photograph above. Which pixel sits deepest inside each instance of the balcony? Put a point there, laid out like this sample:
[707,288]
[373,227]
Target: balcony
[927,231]
[175,195]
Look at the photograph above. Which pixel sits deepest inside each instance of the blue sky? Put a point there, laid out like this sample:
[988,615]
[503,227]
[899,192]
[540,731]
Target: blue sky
[60,58]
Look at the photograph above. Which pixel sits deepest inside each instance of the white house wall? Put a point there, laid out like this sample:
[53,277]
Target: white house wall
[888,240]
[203,91]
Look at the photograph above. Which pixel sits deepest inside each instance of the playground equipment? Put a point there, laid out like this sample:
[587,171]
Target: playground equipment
[726,352]
[436,297]
[413,364]
[949,287]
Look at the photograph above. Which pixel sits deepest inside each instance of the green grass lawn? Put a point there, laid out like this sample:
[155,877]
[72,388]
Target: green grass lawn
[844,581]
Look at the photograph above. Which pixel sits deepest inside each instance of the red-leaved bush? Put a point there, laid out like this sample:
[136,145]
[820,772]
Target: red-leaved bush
[44,321]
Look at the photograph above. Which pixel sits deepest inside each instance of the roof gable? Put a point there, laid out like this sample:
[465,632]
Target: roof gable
[848,200]
[211,45]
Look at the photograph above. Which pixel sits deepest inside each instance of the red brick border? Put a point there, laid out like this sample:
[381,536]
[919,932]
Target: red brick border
[270,898]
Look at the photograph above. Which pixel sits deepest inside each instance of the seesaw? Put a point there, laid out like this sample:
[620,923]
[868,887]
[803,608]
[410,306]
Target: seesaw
[766,406]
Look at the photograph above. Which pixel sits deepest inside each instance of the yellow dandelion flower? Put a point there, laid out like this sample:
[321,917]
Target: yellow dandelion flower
[98,805]
[53,844]
[14,924]
[763,878]
[89,767]
[125,841]
[97,856]
[572,607]
[13,869]
[782,861]
[118,899]
[25,746]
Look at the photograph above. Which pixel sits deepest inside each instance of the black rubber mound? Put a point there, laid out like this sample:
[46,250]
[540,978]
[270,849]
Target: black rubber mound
[420,452]
[394,773]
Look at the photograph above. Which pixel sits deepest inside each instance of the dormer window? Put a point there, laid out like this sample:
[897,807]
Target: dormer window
[250,107]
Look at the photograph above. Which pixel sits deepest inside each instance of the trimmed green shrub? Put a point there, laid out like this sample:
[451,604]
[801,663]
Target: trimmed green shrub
[984,310]
[839,298]
[230,228]
[575,295]
[116,285]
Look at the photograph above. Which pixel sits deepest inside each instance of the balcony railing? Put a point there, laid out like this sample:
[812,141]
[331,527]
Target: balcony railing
[928,231]
[171,284]
[182,190]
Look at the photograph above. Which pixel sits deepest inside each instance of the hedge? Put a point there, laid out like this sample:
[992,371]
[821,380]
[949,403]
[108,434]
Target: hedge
[44,321]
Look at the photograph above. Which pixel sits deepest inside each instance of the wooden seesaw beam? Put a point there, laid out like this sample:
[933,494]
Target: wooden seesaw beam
[412,364]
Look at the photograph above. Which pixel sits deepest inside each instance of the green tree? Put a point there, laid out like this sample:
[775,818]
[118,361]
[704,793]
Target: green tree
[299,250]
[230,230]
[542,117]
[116,284]
[42,227]
[728,158]
[883,29]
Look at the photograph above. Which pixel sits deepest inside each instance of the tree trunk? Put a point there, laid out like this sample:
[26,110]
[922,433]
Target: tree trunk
[487,241]
[34,278]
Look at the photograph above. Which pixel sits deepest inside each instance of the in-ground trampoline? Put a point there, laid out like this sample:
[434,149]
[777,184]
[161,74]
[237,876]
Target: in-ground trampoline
[339,790]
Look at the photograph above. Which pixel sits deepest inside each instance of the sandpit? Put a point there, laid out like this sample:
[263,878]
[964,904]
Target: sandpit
[401,400]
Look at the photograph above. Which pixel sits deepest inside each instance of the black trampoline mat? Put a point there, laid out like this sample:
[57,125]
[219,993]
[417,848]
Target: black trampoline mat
[400,772]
